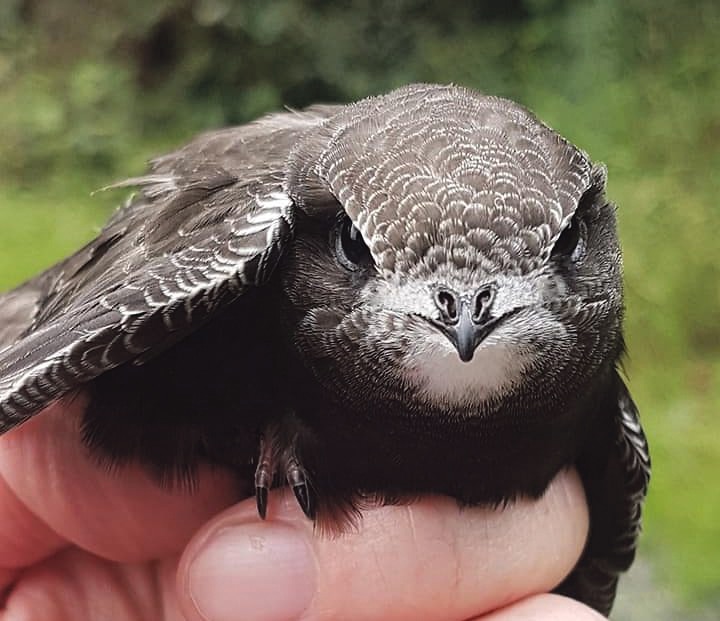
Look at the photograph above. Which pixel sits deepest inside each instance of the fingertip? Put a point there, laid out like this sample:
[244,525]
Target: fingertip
[546,606]
[243,567]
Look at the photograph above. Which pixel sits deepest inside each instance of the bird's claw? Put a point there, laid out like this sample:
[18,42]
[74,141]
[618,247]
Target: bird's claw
[272,458]
[297,479]
[264,475]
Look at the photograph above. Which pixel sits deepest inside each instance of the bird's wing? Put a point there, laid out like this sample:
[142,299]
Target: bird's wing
[616,510]
[19,307]
[210,220]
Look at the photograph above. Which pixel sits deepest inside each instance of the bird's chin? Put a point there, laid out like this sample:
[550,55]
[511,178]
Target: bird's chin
[434,369]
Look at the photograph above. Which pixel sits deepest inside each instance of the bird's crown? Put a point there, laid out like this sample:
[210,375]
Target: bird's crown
[432,175]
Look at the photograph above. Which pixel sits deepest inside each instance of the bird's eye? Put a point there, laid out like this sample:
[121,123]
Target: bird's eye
[350,247]
[571,243]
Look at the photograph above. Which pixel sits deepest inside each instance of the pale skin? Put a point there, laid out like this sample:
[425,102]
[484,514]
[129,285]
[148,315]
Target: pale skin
[78,542]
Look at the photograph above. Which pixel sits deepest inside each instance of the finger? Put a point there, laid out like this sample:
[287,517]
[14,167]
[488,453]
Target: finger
[546,607]
[79,586]
[429,560]
[120,514]
[24,539]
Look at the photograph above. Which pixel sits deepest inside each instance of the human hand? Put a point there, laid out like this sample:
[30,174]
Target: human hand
[78,542]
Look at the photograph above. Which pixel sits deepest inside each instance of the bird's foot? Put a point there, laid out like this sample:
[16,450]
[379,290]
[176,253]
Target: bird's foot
[279,455]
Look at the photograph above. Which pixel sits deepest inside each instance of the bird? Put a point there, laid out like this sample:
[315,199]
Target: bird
[419,292]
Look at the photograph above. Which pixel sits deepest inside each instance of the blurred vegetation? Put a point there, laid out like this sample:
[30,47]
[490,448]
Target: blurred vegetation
[89,91]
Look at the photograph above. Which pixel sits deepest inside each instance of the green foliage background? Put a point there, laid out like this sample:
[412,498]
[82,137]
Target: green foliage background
[89,91]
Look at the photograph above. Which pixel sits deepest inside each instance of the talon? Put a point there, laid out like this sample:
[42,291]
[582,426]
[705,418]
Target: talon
[278,454]
[261,498]
[297,478]
[264,475]
[304,498]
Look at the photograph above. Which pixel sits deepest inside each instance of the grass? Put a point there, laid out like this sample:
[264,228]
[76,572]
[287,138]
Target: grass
[39,227]
[680,401]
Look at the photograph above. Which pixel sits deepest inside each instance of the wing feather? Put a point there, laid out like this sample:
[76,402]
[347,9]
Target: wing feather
[125,314]
[209,221]
[611,548]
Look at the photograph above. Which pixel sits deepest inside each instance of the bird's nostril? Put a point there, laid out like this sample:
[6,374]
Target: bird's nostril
[447,302]
[483,300]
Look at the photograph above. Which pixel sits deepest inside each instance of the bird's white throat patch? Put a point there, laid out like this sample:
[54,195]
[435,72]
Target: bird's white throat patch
[437,372]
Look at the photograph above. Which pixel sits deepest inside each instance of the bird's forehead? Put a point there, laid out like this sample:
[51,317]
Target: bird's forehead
[442,174]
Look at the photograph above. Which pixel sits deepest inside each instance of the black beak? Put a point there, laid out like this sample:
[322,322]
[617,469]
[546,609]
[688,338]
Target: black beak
[466,335]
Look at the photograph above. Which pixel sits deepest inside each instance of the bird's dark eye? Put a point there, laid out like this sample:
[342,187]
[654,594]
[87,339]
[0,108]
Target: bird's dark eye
[571,243]
[350,247]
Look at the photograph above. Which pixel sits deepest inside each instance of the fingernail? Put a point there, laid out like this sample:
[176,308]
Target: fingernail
[259,572]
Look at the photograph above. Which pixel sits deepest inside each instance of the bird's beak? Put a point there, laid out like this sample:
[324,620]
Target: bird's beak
[464,317]
[466,334]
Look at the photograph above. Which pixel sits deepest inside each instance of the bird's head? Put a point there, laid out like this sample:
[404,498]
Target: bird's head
[451,250]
